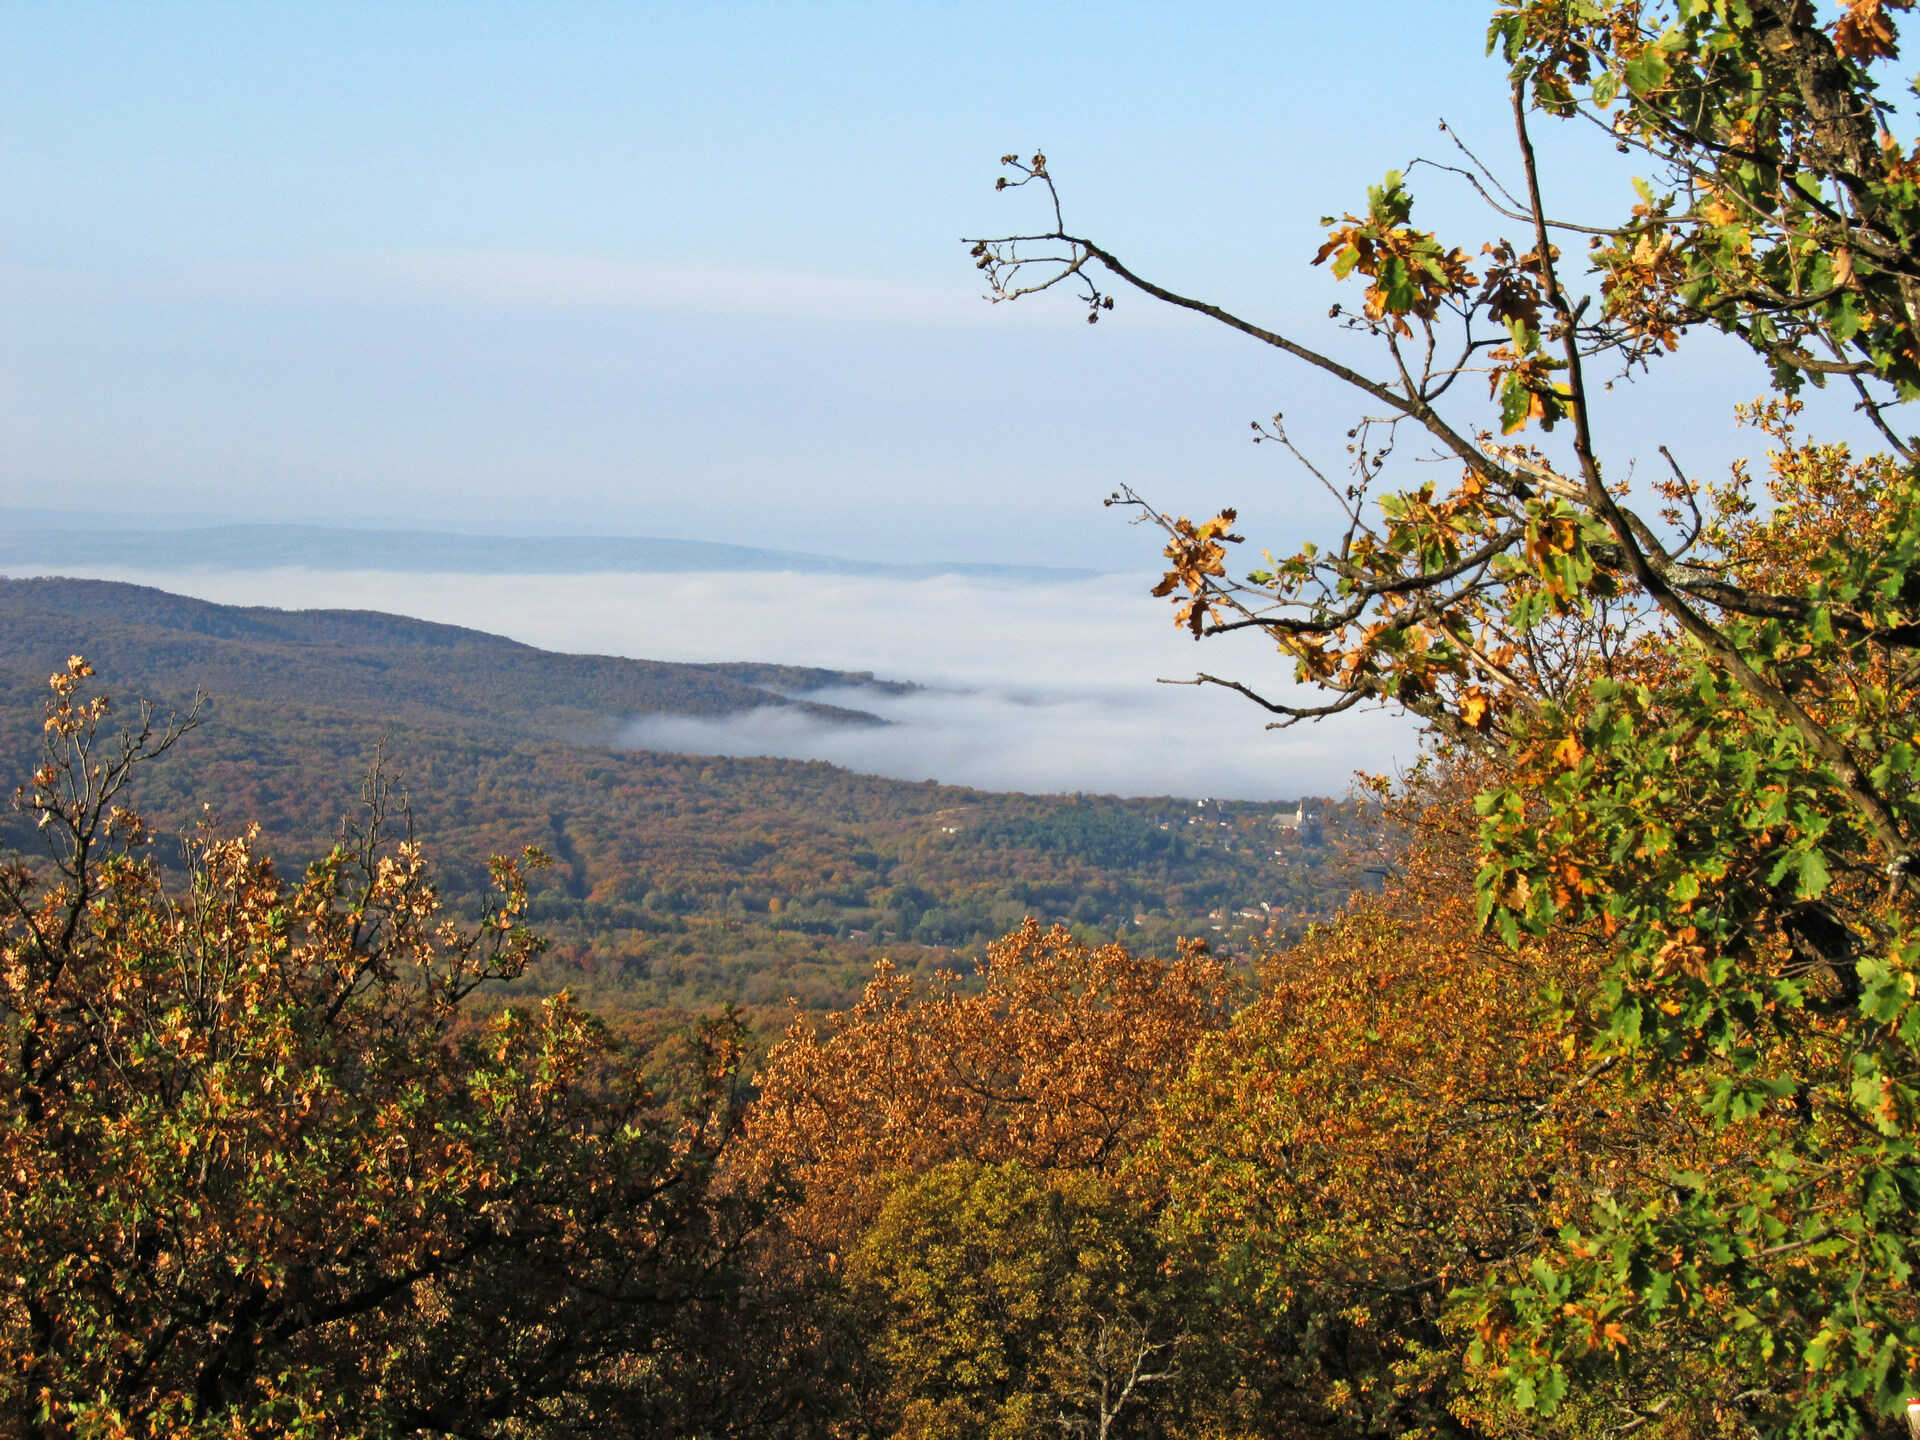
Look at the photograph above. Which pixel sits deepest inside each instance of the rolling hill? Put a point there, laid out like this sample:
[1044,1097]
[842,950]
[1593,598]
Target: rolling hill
[677,880]
[386,668]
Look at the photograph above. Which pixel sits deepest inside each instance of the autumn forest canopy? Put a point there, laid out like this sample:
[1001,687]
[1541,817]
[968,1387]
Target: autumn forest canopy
[1589,1109]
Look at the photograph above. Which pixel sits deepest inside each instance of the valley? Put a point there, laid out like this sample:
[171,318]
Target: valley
[677,882]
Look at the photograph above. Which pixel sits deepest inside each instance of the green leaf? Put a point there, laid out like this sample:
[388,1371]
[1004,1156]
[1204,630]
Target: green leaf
[1516,402]
[1811,869]
[1647,71]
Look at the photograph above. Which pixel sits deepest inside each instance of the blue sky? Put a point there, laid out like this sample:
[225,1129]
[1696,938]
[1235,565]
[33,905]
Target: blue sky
[688,269]
[768,134]
[696,270]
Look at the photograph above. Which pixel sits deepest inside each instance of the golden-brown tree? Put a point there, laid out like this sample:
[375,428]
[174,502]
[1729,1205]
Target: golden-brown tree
[1406,1109]
[263,1171]
[1055,1059]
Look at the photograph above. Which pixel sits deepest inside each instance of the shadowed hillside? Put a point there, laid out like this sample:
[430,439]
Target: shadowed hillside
[385,667]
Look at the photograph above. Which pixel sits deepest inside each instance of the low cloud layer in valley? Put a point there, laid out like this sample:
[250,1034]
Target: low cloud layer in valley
[1029,687]
[1111,740]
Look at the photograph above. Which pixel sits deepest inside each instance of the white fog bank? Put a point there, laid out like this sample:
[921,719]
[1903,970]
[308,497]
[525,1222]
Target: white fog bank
[1031,687]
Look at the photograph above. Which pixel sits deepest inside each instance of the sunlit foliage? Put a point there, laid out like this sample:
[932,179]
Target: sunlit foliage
[1056,1062]
[265,1169]
[1695,699]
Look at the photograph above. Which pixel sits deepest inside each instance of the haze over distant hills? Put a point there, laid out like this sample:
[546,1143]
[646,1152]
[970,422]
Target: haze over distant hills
[42,541]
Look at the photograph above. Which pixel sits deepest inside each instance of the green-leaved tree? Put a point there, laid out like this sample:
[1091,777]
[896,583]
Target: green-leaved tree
[1698,695]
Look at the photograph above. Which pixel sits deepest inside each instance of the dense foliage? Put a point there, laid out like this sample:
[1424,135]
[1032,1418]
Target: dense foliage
[1596,1117]
[1054,1062]
[267,1171]
[1698,714]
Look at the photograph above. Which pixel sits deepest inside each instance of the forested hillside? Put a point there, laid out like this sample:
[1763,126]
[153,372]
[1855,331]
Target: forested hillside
[675,881]
[386,668]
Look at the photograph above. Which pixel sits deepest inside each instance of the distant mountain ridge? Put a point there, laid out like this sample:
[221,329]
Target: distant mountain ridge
[28,544]
[378,666]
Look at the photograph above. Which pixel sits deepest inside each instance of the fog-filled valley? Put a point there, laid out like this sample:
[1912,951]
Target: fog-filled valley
[1043,687]
[697,850]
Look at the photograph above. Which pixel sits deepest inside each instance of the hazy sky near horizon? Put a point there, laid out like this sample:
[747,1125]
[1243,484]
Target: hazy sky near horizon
[580,268]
